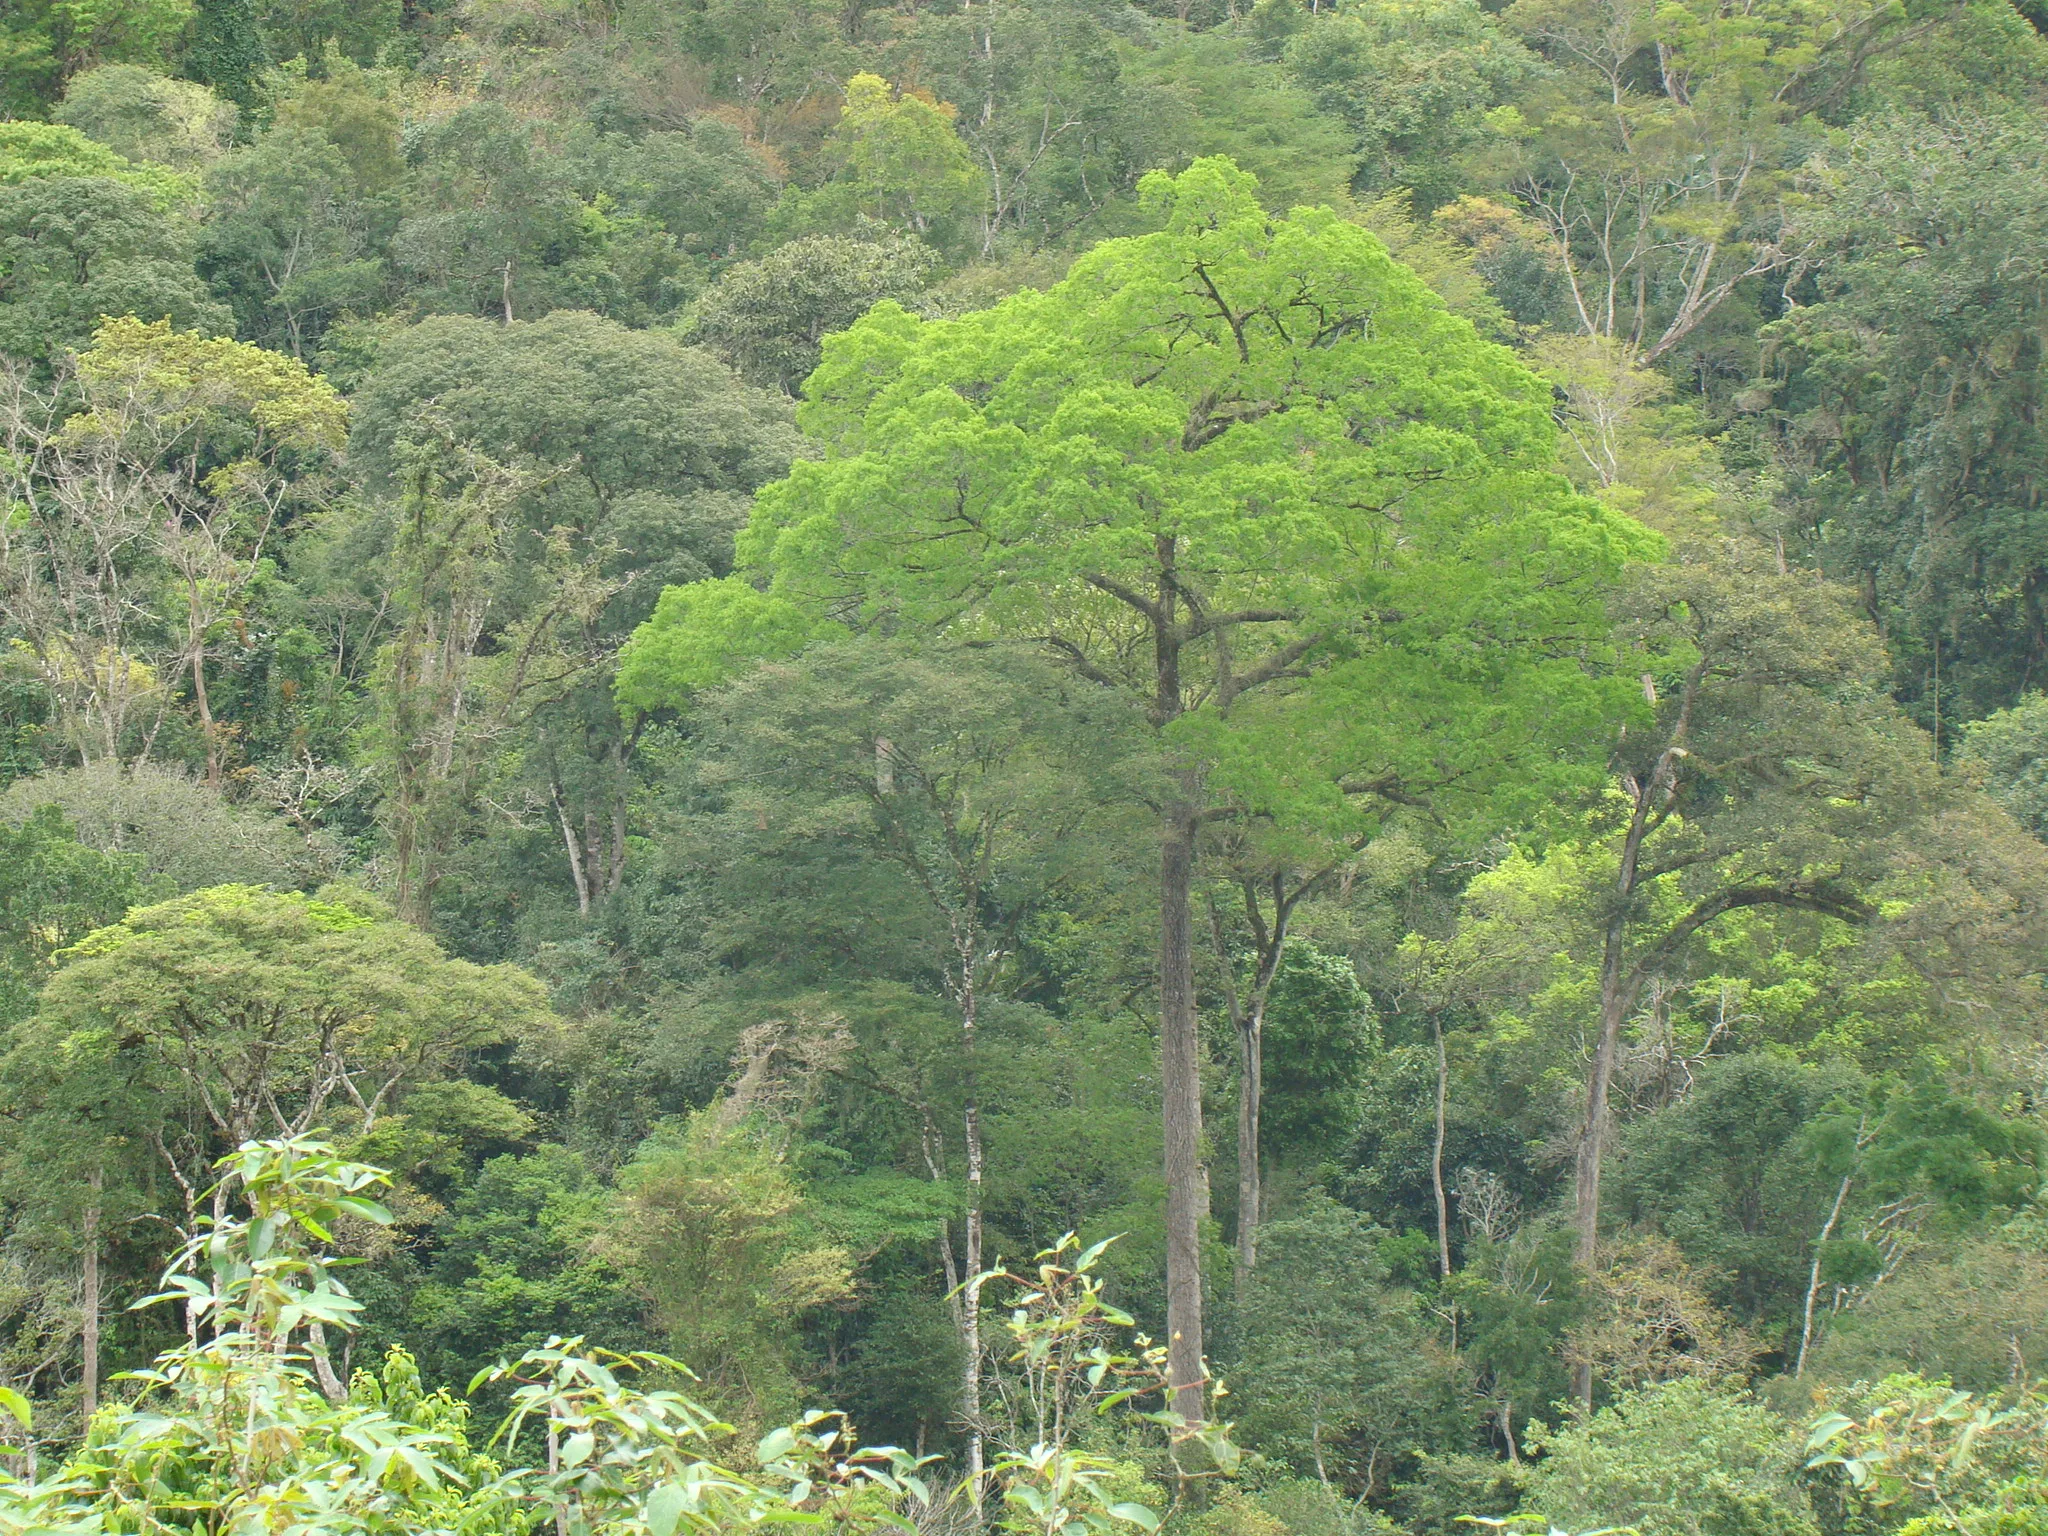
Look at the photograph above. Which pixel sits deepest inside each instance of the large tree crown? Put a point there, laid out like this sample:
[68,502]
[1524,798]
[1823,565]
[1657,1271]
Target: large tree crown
[1238,424]
[1272,406]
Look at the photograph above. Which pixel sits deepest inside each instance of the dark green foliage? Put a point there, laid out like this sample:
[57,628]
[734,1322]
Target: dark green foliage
[44,42]
[648,448]
[56,891]
[1966,1314]
[74,248]
[1209,94]
[289,243]
[901,1380]
[1731,1172]
[1745,1171]
[628,458]
[768,317]
[144,116]
[226,50]
[1325,1360]
[358,30]
[513,1263]
[703,184]
[511,218]
[1387,1166]
[1321,1038]
[1447,1491]
[1413,83]
[1682,1459]
[1515,1299]
[360,120]
[495,227]
[1019,73]
[2007,753]
[24,711]
[494,382]
[1924,342]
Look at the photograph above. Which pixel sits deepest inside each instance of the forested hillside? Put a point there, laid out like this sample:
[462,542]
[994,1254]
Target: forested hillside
[1279,766]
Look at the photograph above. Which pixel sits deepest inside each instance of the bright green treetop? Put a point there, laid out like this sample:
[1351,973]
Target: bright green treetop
[1264,425]
[57,888]
[32,150]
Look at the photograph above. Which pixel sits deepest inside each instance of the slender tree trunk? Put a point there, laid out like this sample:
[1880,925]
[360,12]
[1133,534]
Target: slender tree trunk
[970,1298]
[1593,1133]
[1181,1113]
[554,1467]
[1813,1275]
[1436,1156]
[1249,1020]
[331,1385]
[207,731]
[1619,987]
[89,1303]
[1249,1029]
[582,874]
[1251,1043]
[1937,695]
[1251,1197]
[410,769]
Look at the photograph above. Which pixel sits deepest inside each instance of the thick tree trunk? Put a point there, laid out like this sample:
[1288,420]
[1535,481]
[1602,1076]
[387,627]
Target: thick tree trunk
[1180,1080]
[1181,1113]
[331,1385]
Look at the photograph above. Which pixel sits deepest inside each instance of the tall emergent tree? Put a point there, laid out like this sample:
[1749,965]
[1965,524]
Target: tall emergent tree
[1247,469]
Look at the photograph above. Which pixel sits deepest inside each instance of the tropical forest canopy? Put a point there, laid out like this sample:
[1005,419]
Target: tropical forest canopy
[1045,764]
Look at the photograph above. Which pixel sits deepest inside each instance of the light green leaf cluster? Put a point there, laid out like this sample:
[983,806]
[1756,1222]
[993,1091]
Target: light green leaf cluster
[701,635]
[244,1005]
[29,150]
[191,375]
[906,160]
[1679,1459]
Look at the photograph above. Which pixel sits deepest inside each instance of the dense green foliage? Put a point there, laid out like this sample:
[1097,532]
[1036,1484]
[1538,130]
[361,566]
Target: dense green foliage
[677,678]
